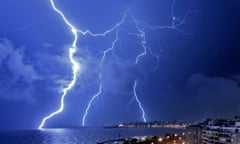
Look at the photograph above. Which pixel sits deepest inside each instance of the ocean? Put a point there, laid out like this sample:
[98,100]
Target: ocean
[78,135]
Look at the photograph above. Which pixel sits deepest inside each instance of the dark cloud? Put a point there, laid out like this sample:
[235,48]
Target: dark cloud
[213,96]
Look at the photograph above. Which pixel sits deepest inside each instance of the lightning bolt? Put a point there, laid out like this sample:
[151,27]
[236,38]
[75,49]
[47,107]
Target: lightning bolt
[75,66]
[139,102]
[141,34]
[105,52]
[142,28]
[90,104]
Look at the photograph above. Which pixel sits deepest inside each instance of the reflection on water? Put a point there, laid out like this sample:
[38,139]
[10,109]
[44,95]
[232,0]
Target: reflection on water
[76,136]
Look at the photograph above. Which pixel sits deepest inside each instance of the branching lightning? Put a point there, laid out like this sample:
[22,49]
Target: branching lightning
[105,52]
[75,66]
[141,28]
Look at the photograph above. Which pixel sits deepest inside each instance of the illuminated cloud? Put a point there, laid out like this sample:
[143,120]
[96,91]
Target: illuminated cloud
[18,73]
[14,58]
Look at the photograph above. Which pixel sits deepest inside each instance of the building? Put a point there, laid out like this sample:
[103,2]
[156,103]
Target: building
[236,138]
[216,134]
[219,131]
[193,135]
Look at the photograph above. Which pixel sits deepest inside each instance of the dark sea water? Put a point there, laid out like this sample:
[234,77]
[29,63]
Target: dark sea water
[78,136]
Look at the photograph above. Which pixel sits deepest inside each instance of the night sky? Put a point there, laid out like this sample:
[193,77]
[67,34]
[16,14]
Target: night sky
[197,75]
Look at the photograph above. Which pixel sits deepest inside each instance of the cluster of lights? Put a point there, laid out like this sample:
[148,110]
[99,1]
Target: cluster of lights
[174,139]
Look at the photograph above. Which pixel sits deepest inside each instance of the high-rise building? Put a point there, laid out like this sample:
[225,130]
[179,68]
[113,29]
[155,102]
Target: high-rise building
[193,135]
[219,131]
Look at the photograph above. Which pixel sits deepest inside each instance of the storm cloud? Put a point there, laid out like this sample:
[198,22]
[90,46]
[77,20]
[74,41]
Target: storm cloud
[16,71]
[213,96]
